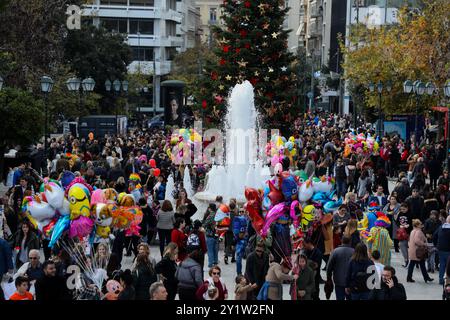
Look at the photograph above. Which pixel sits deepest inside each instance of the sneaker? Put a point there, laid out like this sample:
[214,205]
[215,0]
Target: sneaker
[410,280]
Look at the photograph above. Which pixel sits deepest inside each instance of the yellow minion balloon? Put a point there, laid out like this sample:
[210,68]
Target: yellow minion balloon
[79,201]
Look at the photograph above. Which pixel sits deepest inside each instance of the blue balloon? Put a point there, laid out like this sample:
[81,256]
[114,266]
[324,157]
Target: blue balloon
[67,178]
[60,226]
[289,145]
[332,206]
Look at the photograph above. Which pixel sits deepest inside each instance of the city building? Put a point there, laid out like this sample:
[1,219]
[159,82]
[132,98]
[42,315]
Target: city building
[155,29]
[210,13]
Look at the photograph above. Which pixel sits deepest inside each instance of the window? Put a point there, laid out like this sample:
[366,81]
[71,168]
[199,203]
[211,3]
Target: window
[170,53]
[141,26]
[171,28]
[114,25]
[114,2]
[142,3]
[171,4]
[212,14]
[142,53]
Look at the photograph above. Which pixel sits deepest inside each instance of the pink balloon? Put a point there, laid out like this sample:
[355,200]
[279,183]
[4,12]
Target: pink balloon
[81,227]
[98,196]
[273,215]
[294,204]
[275,160]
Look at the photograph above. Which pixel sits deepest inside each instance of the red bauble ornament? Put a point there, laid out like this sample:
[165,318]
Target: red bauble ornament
[214,75]
[222,61]
[243,33]
[247,4]
[204,104]
[238,50]
[226,48]
[247,46]
[254,81]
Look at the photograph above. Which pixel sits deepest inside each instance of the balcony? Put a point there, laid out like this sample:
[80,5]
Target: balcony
[146,67]
[154,41]
[315,31]
[315,10]
[110,11]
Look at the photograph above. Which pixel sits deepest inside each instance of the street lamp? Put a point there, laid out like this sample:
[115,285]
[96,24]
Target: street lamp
[418,88]
[87,86]
[115,86]
[46,87]
[380,86]
[447,94]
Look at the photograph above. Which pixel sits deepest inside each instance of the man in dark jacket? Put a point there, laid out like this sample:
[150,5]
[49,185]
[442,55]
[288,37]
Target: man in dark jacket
[51,287]
[6,263]
[390,288]
[416,205]
[256,267]
[337,267]
[403,190]
[441,240]
[314,256]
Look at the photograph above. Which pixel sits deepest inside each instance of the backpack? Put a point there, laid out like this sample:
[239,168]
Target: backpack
[193,240]
[361,281]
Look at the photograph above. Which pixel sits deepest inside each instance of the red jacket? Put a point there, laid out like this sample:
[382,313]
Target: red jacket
[180,238]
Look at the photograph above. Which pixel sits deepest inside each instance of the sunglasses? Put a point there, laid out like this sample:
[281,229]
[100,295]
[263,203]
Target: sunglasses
[216,273]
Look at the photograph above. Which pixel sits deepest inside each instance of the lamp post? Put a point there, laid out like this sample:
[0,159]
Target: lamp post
[46,87]
[87,86]
[380,87]
[447,94]
[418,88]
[115,86]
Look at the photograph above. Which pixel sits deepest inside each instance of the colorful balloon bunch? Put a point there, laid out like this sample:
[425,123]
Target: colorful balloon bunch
[286,197]
[360,144]
[78,211]
[180,140]
[279,147]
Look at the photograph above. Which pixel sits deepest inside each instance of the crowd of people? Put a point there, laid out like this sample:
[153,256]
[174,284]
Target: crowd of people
[411,218]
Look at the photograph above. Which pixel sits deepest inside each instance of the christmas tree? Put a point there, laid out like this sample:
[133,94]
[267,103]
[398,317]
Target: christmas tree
[251,46]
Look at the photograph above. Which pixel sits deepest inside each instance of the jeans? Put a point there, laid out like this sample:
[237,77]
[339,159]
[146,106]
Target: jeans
[443,257]
[431,257]
[341,188]
[340,293]
[404,250]
[212,244]
[421,263]
[240,251]
[164,239]
[360,295]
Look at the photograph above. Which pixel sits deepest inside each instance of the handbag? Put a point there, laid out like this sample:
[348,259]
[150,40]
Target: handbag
[421,252]
[402,234]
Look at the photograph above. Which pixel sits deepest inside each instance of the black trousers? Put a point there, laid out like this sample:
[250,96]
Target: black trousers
[164,239]
[421,263]
[187,294]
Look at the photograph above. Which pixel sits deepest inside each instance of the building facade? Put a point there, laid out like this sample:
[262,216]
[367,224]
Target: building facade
[156,30]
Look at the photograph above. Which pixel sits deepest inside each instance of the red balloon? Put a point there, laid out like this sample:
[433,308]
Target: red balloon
[156,172]
[152,163]
[275,195]
[254,211]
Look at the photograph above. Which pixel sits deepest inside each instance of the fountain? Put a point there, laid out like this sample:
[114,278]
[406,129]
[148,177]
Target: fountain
[242,167]
[170,187]
[187,182]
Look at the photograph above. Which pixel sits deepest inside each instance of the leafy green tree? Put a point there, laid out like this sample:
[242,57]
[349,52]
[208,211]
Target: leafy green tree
[22,120]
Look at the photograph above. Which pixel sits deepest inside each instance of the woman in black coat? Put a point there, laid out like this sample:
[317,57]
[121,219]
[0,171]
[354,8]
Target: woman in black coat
[143,276]
[167,268]
[26,240]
